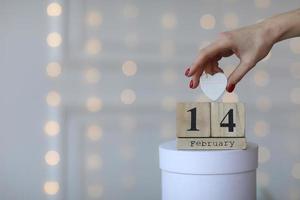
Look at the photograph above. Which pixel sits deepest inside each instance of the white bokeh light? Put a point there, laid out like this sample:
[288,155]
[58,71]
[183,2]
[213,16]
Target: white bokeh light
[207,21]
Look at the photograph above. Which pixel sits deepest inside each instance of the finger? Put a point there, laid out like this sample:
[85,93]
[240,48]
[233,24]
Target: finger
[238,74]
[217,69]
[205,55]
[209,69]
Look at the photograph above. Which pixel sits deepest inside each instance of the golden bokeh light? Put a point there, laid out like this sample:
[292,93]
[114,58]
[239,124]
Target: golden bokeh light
[94,162]
[263,154]
[54,39]
[53,98]
[261,78]
[296,171]
[52,158]
[261,128]
[169,21]
[94,132]
[53,69]
[51,187]
[93,19]
[262,3]
[52,128]
[93,46]
[95,191]
[263,103]
[128,96]
[54,9]
[129,68]
[295,95]
[93,104]
[207,21]
[92,75]
[169,76]
[231,20]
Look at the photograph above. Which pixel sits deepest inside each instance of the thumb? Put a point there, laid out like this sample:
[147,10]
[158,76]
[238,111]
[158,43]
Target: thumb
[238,74]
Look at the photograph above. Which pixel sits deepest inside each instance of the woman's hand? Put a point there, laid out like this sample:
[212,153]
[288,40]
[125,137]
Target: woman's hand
[250,44]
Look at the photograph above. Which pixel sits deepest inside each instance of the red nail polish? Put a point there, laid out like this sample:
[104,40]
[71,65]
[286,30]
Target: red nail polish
[187,71]
[230,88]
[191,84]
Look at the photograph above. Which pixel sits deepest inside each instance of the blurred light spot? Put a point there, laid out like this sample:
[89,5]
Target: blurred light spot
[230,97]
[169,76]
[295,45]
[167,130]
[295,70]
[261,78]
[129,68]
[92,75]
[93,19]
[131,11]
[207,21]
[265,59]
[128,123]
[263,103]
[94,132]
[52,158]
[127,152]
[263,155]
[128,96]
[94,162]
[167,48]
[53,69]
[262,3]
[131,40]
[53,99]
[129,181]
[93,104]
[95,191]
[168,103]
[296,171]
[52,128]
[261,128]
[54,9]
[295,95]
[169,21]
[54,39]
[93,46]
[231,21]
[51,187]
[263,179]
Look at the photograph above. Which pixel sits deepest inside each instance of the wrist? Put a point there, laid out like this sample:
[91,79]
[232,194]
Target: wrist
[273,29]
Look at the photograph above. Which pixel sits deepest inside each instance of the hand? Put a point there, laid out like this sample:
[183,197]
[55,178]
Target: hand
[250,44]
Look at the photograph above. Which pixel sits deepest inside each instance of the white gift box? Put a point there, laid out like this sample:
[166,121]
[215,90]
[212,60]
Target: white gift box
[209,174]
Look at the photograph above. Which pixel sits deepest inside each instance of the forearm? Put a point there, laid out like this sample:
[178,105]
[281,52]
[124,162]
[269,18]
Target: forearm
[283,26]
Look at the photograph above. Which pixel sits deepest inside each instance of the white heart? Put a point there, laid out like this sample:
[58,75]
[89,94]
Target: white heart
[213,86]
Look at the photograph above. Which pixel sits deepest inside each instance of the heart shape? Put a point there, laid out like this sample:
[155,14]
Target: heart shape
[213,86]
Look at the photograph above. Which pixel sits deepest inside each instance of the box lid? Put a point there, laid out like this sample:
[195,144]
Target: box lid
[207,161]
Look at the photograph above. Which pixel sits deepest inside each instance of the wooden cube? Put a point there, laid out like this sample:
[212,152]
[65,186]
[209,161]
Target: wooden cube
[193,119]
[211,143]
[227,119]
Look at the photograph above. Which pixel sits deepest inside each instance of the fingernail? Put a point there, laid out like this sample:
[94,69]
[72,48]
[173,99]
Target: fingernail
[230,88]
[187,71]
[191,84]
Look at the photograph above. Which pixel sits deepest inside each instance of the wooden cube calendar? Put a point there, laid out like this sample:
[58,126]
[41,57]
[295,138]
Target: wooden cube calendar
[213,125]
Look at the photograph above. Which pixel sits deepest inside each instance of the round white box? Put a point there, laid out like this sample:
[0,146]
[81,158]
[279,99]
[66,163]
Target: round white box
[209,174]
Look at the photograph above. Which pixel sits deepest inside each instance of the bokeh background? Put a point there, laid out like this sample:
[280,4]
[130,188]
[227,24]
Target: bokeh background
[99,89]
